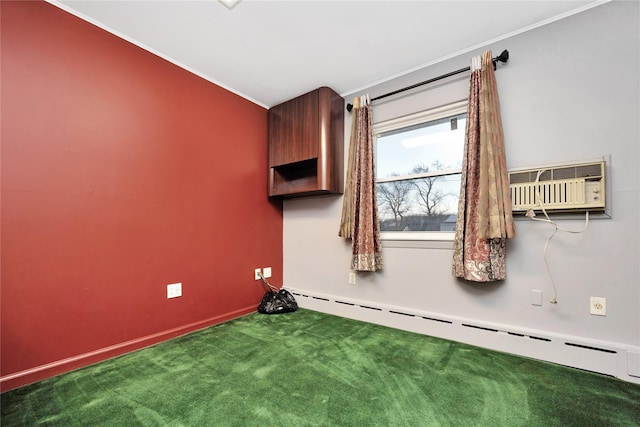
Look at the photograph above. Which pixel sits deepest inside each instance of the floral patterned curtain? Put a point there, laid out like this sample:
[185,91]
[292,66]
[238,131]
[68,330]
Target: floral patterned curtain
[360,209]
[484,219]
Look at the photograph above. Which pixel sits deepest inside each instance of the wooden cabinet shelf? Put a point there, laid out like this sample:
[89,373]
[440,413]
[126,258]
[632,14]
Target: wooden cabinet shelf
[306,145]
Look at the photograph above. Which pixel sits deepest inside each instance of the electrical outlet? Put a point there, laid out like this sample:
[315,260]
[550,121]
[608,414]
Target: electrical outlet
[598,306]
[174,290]
[352,278]
[257,273]
[266,272]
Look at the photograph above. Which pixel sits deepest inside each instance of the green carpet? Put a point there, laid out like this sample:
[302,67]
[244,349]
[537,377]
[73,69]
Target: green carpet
[311,369]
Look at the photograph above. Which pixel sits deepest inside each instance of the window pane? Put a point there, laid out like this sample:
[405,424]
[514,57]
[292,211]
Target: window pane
[432,146]
[423,204]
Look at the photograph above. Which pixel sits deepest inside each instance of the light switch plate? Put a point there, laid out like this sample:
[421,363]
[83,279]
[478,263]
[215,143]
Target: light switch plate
[352,278]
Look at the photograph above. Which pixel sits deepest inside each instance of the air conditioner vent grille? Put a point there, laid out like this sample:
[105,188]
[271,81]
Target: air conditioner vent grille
[567,188]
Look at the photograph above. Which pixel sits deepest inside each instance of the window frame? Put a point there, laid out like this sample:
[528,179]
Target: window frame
[395,238]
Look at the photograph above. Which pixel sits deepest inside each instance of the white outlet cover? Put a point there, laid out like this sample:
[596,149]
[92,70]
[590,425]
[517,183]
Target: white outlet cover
[257,273]
[174,290]
[266,272]
[598,306]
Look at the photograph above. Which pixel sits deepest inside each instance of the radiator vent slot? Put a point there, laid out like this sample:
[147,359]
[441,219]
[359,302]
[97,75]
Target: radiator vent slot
[401,313]
[371,308]
[539,338]
[345,303]
[438,320]
[586,347]
[568,188]
[479,327]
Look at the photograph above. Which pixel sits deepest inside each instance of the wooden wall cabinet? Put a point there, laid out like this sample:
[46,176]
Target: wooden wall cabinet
[306,145]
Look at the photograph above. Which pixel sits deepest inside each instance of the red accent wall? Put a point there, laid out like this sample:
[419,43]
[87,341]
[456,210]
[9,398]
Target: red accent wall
[121,173]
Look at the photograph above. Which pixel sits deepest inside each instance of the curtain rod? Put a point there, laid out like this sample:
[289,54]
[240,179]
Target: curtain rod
[503,57]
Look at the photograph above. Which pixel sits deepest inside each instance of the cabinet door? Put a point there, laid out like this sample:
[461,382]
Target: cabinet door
[294,130]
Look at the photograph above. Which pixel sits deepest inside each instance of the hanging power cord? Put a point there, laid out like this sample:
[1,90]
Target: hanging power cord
[531,214]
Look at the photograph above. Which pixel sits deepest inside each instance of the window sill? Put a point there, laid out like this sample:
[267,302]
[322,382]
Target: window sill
[417,240]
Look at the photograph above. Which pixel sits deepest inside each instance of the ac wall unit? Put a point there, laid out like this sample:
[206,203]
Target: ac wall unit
[577,187]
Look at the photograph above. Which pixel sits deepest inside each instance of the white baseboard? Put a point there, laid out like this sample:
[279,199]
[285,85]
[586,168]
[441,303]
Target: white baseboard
[603,357]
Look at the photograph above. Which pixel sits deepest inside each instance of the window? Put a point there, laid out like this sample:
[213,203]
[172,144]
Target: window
[419,164]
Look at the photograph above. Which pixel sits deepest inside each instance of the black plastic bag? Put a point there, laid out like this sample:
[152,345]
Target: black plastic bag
[276,301]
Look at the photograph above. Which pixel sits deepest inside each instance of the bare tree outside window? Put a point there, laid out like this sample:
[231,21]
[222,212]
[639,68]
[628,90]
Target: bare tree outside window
[395,198]
[430,196]
[418,204]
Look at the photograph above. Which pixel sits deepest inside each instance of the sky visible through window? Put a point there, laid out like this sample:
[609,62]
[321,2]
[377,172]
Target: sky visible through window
[399,152]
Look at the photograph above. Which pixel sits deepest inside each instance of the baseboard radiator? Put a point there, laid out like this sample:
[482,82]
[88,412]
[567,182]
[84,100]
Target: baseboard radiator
[606,358]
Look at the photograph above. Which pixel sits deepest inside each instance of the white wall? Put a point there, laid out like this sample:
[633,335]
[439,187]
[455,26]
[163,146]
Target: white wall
[569,92]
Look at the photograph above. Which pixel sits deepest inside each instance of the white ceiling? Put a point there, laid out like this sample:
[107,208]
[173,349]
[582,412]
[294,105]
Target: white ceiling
[271,51]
